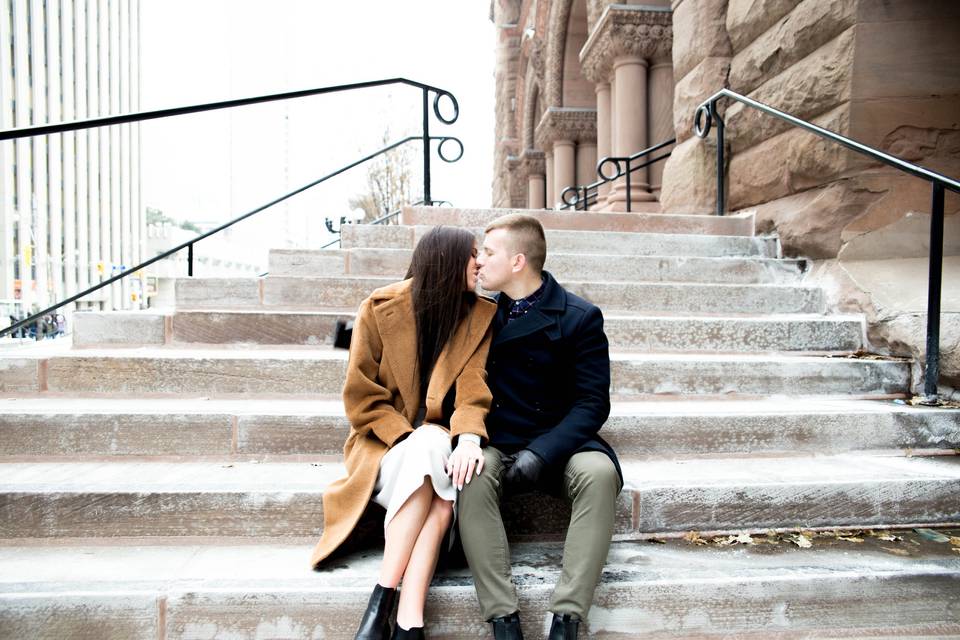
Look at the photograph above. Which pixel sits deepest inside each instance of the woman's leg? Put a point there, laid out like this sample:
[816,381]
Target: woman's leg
[423,562]
[402,533]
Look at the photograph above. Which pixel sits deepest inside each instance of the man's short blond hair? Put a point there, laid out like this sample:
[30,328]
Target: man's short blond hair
[526,237]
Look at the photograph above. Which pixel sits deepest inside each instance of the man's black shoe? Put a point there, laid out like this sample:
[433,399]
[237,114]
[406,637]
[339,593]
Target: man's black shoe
[507,627]
[375,624]
[564,627]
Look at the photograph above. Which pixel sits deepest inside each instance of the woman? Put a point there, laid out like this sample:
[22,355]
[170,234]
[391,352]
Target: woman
[415,387]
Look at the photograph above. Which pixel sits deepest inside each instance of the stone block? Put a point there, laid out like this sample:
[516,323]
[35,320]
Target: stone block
[344,293]
[270,327]
[813,86]
[708,77]
[886,11]
[20,375]
[291,434]
[689,177]
[899,59]
[328,262]
[702,24]
[791,162]
[379,235]
[82,433]
[379,262]
[747,19]
[746,376]
[806,28]
[124,613]
[118,328]
[696,299]
[217,293]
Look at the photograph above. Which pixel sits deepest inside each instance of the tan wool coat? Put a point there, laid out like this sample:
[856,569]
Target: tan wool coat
[382,396]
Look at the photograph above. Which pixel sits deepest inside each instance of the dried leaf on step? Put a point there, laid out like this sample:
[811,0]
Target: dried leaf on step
[955,541]
[850,538]
[693,537]
[800,540]
[887,537]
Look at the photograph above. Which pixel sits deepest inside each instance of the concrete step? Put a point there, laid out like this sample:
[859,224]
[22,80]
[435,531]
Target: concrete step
[247,499]
[347,292]
[834,589]
[45,427]
[637,222]
[564,266]
[149,370]
[365,236]
[809,333]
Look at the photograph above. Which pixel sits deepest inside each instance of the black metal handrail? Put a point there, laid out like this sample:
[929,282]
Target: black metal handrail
[706,115]
[425,137]
[384,219]
[582,195]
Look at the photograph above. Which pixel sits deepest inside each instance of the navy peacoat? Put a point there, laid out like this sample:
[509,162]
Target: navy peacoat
[549,372]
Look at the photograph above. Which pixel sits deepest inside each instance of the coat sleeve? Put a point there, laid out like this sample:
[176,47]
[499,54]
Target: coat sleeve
[473,395]
[368,404]
[591,389]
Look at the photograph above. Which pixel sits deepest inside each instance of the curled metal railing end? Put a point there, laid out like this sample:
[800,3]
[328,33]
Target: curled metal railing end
[576,196]
[444,140]
[453,102]
[615,163]
[701,125]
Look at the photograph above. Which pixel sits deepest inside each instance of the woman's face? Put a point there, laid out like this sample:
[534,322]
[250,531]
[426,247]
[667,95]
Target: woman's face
[472,270]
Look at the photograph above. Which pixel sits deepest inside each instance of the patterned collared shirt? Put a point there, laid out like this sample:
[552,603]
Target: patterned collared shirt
[519,308]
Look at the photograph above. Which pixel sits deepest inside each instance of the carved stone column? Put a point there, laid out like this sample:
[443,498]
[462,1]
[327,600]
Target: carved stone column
[586,162]
[551,187]
[619,51]
[661,115]
[562,129]
[532,165]
[516,184]
[604,147]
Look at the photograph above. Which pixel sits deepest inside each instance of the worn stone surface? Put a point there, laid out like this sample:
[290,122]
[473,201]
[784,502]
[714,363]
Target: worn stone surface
[334,293]
[708,77]
[641,220]
[692,186]
[789,163]
[238,327]
[79,616]
[817,84]
[703,29]
[739,376]
[19,375]
[906,237]
[217,293]
[388,236]
[747,19]
[695,299]
[284,262]
[133,328]
[811,24]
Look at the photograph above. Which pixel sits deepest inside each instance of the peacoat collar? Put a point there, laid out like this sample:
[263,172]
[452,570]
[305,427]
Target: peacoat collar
[542,317]
[393,310]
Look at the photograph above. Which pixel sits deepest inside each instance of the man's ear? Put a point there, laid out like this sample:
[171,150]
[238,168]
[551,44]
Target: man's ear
[519,262]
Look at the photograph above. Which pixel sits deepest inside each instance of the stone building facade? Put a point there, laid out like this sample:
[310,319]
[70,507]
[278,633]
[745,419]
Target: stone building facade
[883,72]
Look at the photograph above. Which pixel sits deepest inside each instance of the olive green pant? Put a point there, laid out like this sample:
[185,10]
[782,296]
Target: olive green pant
[590,483]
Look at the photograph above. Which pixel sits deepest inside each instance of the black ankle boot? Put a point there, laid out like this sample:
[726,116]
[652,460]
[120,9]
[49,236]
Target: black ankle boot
[564,627]
[375,624]
[507,627]
[414,633]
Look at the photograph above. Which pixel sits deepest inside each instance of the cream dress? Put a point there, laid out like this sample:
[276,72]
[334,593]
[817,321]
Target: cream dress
[422,454]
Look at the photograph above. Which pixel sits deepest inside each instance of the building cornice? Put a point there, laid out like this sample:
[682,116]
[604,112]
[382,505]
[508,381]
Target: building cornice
[626,30]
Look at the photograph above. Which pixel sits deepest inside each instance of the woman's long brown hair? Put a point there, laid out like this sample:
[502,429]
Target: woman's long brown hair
[440,297]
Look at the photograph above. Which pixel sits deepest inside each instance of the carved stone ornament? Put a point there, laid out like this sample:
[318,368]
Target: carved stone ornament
[565,123]
[532,163]
[626,30]
[537,58]
[516,184]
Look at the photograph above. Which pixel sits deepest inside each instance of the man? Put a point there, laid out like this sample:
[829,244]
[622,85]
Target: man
[549,371]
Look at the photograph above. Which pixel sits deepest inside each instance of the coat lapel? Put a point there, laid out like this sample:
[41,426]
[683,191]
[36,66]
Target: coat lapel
[399,334]
[542,316]
[464,343]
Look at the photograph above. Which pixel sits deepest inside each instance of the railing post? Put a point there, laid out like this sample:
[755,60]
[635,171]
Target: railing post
[629,199]
[190,260]
[427,200]
[721,182]
[934,279]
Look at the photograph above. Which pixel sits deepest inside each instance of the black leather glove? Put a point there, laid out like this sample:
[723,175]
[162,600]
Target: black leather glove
[523,468]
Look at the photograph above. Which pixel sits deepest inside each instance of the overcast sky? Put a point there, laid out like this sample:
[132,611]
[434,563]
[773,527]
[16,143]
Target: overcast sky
[213,166]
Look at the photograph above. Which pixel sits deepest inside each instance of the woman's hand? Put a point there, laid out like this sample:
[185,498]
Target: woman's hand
[465,459]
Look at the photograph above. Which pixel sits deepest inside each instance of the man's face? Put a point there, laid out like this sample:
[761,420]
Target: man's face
[498,263]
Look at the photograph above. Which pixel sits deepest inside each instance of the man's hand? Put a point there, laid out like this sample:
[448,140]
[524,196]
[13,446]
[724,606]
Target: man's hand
[467,457]
[523,468]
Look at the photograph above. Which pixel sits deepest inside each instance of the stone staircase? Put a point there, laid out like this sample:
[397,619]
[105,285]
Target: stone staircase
[163,478]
